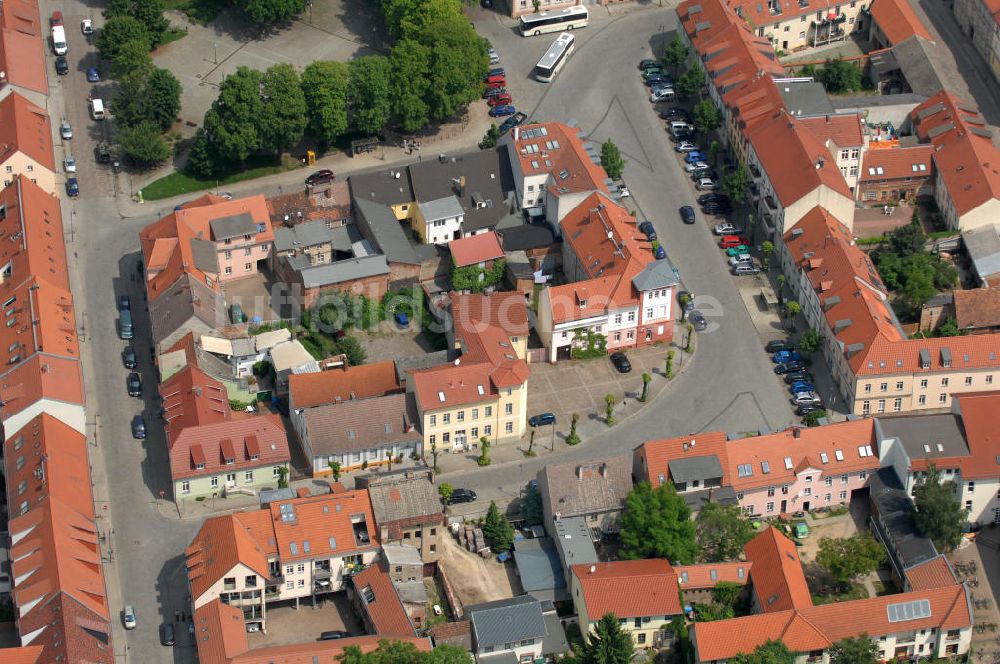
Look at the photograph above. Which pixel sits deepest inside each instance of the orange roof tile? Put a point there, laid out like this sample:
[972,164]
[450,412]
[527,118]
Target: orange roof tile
[228,446]
[701,20]
[23,655]
[191,398]
[700,577]
[978,411]
[657,454]
[41,377]
[977,308]
[895,163]
[220,632]
[360,382]
[723,639]
[322,525]
[778,580]
[898,21]
[964,153]
[933,573]
[222,543]
[735,55]
[382,603]
[476,249]
[629,588]
[557,149]
[472,313]
[22,54]
[25,128]
[844,130]
[462,384]
[325,651]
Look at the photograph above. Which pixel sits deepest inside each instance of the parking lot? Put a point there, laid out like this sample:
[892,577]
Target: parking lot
[287,625]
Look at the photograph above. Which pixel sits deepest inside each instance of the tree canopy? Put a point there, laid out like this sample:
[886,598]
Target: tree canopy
[404,652]
[497,530]
[120,30]
[284,119]
[410,81]
[143,144]
[855,650]
[231,124]
[707,117]
[149,13]
[271,11]
[368,91]
[657,524]
[721,532]
[770,652]
[609,644]
[735,184]
[939,516]
[676,53]
[531,506]
[839,76]
[611,159]
[848,558]
[324,84]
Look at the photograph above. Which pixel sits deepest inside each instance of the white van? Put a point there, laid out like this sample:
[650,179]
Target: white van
[59,46]
[97,109]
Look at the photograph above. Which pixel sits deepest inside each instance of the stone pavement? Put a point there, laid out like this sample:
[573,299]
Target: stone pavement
[983,559]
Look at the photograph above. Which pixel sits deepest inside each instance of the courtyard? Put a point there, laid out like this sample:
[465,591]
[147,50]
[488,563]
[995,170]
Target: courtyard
[287,625]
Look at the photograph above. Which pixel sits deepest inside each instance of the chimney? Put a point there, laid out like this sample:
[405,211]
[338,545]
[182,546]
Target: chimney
[604,470]
[797,432]
[819,163]
[579,472]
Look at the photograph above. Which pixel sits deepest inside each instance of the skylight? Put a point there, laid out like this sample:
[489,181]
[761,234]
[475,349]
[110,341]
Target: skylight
[765,467]
[824,458]
[441,397]
[839,454]
[788,463]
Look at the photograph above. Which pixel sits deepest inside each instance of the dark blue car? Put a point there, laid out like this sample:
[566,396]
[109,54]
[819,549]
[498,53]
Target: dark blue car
[402,319]
[786,356]
[501,111]
[695,156]
[93,75]
[498,71]
[658,79]
[72,187]
[801,386]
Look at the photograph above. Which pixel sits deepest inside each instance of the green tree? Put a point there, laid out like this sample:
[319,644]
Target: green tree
[669,368]
[120,30]
[793,309]
[368,92]
[201,162]
[657,523]
[839,76]
[812,419]
[490,138]
[770,652]
[443,654]
[726,593]
[147,12]
[917,289]
[324,84]
[855,650]
[445,490]
[675,54]
[573,438]
[767,248]
[434,456]
[906,240]
[721,532]
[609,409]
[353,349]
[848,558]
[334,470]
[457,66]
[484,453]
[282,477]
[939,516]
[132,56]
[735,184]
[232,122]
[271,11]
[611,159]
[810,341]
[531,506]
[410,81]
[143,145]
[714,148]
[949,328]
[646,379]
[163,95]
[407,19]
[609,643]
[690,82]
[497,530]
[707,117]
[284,119]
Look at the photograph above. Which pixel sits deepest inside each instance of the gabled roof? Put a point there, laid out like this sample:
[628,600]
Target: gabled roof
[707,575]
[379,224]
[191,398]
[472,312]
[23,655]
[22,55]
[629,588]
[228,446]
[778,580]
[506,620]
[898,21]
[41,377]
[558,150]
[843,130]
[25,128]
[977,308]
[933,573]
[222,543]
[402,498]
[343,384]
[360,424]
[896,163]
[723,639]
[476,249]
[479,180]
[578,488]
[660,454]
[735,55]
[315,526]
[380,601]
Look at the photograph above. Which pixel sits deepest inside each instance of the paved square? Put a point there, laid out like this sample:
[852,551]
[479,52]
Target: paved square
[286,625]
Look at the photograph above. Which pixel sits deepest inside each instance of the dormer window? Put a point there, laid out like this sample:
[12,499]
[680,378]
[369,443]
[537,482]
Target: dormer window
[199,466]
[230,461]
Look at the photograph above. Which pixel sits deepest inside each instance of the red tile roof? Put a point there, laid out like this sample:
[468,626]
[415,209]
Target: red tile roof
[41,377]
[322,525]
[220,632]
[343,384]
[897,163]
[795,160]
[735,55]
[228,447]
[844,130]
[384,608]
[933,573]
[703,20]
[222,543]
[778,580]
[658,454]
[706,576]
[629,588]
[476,249]
[462,384]
[25,128]
[723,639]
[555,148]
[964,153]
[22,51]
[23,655]
[190,398]
[978,411]
[472,313]
[977,308]
[898,21]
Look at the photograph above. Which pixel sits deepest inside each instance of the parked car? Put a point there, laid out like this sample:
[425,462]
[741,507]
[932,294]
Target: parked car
[806,397]
[806,408]
[102,152]
[799,375]
[712,196]
[499,100]
[167,634]
[654,79]
[497,85]
[684,295]
[661,95]
[236,314]
[687,214]
[801,386]
[87,27]
[705,184]
[726,229]
[493,92]
[695,156]
[512,121]
[645,63]
[502,110]
[69,163]
[698,320]
[93,75]
[541,420]
[658,72]
[62,65]
[686,146]
[65,130]
[786,356]
[333,635]
[679,134]
[660,253]
[494,56]
[124,303]
[622,189]
[693,166]
[462,496]
[72,188]
[128,357]
[620,360]
[55,19]
[737,250]
[717,209]
[788,367]
[705,172]
[134,385]
[744,269]
[138,427]
[402,320]
[674,113]
[128,617]
[778,344]
[495,78]
[740,259]
[646,227]
[320,177]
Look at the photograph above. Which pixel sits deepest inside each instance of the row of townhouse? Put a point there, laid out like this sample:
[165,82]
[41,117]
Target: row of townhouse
[61,609]
[821,467]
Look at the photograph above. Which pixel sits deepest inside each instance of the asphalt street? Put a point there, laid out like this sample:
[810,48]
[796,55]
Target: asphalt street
[729,384]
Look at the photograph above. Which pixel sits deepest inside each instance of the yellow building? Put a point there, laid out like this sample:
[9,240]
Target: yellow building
[26,143]
[793,25]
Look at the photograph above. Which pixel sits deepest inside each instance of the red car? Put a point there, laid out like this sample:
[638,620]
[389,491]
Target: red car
[55,19]
[320,177]
[496,85]
[496,78]
[501,99]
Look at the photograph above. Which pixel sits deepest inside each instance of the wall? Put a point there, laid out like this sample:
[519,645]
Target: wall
[838,205]
[519,7]
[474,416]
[20,163]
[928,385]
[374,288]
[402,275]
[880,192]
[356,458]
[69,414]
[234,257]
[795,32]
[240,571]
[262,476]
[758,499]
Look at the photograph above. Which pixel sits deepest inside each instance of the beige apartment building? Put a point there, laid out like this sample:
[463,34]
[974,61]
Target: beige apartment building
[792,25]
[26,144]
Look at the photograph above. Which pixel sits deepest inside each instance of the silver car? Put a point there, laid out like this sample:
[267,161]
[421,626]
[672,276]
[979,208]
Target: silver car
[65,130]
[128,617]
[69,163]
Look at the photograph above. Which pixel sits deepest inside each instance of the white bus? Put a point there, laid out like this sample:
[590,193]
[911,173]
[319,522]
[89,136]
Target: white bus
[556,20]
[555,57]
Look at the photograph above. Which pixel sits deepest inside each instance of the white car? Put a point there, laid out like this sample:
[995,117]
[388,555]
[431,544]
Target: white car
[128,617]
[65,130]
[623,191]
[661,95]
[706,184]
[494,56]
[69,163]
[726,229]
[691,168]
[686,146]
[740,259]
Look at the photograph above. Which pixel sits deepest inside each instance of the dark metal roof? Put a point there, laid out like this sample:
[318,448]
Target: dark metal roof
[695,468]
[379,224]
[232,226]
[895,511]
[382,187]
[527,236]
[506,620]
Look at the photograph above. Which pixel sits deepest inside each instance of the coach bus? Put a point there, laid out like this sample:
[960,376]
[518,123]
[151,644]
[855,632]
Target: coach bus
[555,58]
[556,20]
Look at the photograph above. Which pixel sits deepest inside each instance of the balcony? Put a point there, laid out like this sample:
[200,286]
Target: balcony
[769,201]
[322,573]
[754,171]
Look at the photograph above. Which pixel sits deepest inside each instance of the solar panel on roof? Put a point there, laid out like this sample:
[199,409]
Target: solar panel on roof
[914,610]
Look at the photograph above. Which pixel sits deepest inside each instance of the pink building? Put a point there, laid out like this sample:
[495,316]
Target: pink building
[799,469]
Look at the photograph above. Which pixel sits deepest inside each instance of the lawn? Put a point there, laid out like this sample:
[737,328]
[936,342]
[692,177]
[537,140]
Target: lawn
[857,591]
[179,182]
[172,36]
[199,11]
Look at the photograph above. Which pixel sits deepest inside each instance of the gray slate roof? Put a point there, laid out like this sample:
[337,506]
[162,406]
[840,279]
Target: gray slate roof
[805,98]
[205,257]
[382,187]
[187,298]
[896,511]
[915,431]
[574,542]
[359,424]
[525,236]
[379,224]
[858,104]
[325,274]
[723,495]
[983,245]
[441,208]
[404,498]
[488,180]
[538,568]
[588,487]
[921,63]
[506,620]
[312,233]
[695,468]
[658,274]
[236,225]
